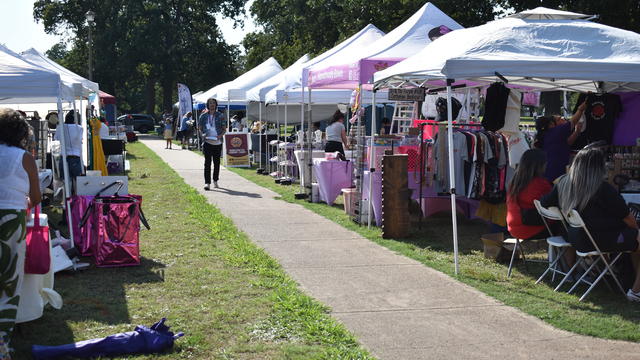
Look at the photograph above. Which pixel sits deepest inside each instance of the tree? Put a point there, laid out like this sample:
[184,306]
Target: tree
[291,28]
[140,47]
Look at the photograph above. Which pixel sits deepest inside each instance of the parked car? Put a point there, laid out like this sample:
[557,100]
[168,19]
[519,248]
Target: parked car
[142,123]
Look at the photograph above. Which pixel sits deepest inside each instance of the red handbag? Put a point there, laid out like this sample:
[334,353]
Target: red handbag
[38,256]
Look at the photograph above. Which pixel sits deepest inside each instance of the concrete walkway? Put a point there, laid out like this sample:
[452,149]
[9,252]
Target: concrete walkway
[396,307]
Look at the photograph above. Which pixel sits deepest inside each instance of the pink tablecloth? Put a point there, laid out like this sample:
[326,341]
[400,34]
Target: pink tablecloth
[431,202]
[333,176]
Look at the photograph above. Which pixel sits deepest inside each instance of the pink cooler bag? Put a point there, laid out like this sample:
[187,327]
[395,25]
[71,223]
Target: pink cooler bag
[115,231]
[81,234]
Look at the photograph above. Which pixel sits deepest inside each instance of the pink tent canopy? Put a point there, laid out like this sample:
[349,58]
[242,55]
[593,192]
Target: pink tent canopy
[410,37]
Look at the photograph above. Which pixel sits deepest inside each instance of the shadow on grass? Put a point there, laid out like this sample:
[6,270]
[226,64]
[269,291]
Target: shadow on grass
[96,294]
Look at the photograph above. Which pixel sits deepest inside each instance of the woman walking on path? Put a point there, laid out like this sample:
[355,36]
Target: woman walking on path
[213,126]
[20,190]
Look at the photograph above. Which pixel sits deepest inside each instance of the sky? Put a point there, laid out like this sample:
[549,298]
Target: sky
[19,31]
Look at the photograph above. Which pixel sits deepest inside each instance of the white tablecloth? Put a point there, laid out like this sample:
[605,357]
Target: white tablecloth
[631,197]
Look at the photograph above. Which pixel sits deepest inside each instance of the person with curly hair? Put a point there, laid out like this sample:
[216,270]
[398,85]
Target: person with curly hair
[20,190]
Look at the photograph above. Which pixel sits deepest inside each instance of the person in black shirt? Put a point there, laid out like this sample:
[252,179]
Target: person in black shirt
[603,210]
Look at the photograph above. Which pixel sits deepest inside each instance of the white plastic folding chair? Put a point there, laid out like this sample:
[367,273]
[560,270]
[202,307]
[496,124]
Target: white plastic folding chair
[558,245]
[575,220]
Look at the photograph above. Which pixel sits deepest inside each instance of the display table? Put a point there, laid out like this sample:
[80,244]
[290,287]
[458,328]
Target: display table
[431,203]
[333,176]
[631,197]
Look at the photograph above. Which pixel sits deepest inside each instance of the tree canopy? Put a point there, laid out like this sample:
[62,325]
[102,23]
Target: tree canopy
[142,48]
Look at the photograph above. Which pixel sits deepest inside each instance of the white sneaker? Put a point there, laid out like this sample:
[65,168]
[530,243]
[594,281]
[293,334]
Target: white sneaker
[215,184]
[206,186]
[633,296]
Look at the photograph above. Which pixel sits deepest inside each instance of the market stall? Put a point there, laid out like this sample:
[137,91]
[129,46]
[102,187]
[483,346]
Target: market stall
[542,49]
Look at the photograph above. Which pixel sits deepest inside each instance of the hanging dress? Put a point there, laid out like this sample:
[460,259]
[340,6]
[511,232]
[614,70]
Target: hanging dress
[99,162]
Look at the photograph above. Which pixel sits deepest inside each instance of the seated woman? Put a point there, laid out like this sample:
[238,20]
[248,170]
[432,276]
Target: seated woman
[603,210]
[528,184]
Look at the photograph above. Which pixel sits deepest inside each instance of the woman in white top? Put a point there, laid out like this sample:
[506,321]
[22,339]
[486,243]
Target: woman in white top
[73,146]
[336,135]
[20,190]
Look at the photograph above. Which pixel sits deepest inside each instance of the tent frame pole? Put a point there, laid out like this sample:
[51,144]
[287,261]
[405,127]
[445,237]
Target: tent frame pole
[371,160]
[452,177]
[67,193]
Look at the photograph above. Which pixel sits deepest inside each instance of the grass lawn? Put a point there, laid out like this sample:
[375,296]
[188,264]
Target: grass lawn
[228,296]
[603,314]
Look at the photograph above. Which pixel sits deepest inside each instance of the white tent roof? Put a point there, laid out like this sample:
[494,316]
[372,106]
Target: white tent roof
[542,13]
[258,92]
[22,82]
[236,90]
[366,36]
[402,42]
[67,76]
[543,54]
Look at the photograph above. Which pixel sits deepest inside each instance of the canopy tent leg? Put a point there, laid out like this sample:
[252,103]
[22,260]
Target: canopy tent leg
[260,137]
[65,169]
[286,166]
[371,160]
[310,147]
[452,177]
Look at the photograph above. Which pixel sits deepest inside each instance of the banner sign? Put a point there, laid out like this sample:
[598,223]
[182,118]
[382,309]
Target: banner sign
[184,100]
[237,149]
[415,94]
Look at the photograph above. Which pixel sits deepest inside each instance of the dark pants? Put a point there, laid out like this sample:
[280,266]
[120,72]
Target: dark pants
[333,146]
[211,152]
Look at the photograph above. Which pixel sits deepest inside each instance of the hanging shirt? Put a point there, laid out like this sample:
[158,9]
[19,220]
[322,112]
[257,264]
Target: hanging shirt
[512,114]
[517,145]
[495,106]
[601,113]
[460,155]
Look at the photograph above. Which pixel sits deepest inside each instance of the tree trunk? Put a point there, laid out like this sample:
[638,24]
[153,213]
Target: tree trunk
[168,87]
[150,95]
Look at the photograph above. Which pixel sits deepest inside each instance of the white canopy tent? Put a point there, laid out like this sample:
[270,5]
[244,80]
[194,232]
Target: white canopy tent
[292,82]
[560,52]
[34,56]
[22,82]
[82,87]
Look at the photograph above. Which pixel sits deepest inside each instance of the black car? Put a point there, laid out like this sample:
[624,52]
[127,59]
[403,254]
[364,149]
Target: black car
[142,123]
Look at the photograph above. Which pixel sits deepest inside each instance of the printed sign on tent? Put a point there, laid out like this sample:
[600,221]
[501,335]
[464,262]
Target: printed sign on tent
[237,149]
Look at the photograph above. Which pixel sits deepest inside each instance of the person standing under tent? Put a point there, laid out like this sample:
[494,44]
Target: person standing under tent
[183,133]
[20,190]
[555,135]
[73,145]
[213,126]
[336,135]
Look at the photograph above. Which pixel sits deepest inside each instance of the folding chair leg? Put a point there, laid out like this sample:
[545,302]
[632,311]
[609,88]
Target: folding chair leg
[586,272]
[524,260]
[573,268]
[513,255]
[552,267]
